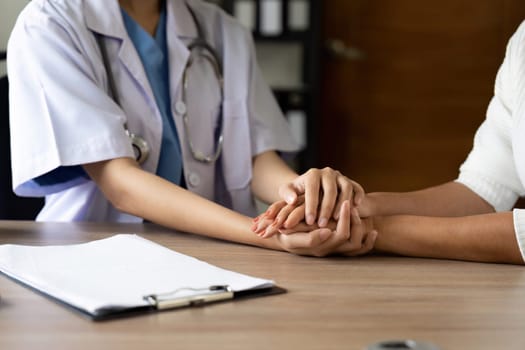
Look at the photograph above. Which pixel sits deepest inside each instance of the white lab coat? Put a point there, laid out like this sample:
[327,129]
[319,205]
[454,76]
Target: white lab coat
[61,113]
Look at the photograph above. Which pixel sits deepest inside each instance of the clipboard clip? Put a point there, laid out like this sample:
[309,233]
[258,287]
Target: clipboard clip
[188,296]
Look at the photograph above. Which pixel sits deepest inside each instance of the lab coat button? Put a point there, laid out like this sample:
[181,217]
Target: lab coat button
[180,108]
[194,179]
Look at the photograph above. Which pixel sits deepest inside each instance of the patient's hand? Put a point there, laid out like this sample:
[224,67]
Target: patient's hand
[287,214]
[289,219]
[359,234]
[324,192]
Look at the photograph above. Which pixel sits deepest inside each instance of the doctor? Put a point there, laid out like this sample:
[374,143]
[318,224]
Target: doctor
[156,110]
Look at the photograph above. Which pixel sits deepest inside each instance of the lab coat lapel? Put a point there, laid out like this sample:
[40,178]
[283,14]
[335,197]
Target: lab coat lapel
[104,17]
[179,27]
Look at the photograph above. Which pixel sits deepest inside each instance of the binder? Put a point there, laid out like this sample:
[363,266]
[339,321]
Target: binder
[271,17]
[298,15]
[245,12]
[124,275]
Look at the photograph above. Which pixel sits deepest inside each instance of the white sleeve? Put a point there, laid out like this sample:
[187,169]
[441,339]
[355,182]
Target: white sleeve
[490,169]
[519,229]
[59,113]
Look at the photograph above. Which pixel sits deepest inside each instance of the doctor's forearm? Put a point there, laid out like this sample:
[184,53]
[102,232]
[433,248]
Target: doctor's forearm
[140,193]
[486,238]
[269,173]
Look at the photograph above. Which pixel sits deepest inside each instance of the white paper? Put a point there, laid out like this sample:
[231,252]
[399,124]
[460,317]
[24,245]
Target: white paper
[115,272]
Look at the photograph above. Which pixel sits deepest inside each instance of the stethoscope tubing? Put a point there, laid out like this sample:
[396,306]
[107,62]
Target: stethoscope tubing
[140,145]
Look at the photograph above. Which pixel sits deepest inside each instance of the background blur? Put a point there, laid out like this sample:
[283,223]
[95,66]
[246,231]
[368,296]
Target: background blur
[9,10]
[390,92]
[404,116]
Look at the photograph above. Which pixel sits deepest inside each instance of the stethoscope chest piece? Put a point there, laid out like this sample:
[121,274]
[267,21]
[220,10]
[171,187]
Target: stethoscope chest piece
[140,147]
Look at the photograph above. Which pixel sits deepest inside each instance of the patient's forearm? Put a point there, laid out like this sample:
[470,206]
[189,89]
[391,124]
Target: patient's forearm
[449,199]
[487,238]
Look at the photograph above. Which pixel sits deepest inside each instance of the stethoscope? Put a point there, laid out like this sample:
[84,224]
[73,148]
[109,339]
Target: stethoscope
[140,145]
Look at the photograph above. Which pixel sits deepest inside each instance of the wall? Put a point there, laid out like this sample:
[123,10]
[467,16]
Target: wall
[9,10]
[404,116]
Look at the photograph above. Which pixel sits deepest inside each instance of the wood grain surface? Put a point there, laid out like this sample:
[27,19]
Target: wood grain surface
[331,303]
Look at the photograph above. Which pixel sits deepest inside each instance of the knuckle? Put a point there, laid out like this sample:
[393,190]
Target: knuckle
[312,171]
[346,186]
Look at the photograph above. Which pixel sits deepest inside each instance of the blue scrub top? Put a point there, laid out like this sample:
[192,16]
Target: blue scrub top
[153,53]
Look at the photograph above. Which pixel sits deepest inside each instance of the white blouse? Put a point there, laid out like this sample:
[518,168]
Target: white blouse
[495,168]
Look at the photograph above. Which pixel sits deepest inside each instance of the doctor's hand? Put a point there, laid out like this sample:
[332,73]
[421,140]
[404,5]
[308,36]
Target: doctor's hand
[346,239]
[280,215]
[324,192]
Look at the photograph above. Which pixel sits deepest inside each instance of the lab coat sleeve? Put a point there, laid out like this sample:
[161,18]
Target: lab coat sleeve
[60,113]
[490,168]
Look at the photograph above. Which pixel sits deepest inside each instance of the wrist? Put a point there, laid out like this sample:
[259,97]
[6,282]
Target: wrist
[382,203]
[370,205]
[267,243]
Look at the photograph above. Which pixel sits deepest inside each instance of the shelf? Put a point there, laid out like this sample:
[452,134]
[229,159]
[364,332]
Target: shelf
[287,34]
[285,37]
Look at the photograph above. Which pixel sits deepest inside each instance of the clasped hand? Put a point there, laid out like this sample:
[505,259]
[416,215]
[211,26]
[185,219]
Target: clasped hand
[318,216]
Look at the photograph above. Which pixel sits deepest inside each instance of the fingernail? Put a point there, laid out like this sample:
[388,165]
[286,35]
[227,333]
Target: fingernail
[322,222]
[310,219]
[259,229]
[290,199]
[254,227]
[324,235]
[256,219]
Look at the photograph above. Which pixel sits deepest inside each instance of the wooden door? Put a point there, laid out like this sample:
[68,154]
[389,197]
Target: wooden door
[403,117]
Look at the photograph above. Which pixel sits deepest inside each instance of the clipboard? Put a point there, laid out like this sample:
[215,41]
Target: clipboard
[125,275]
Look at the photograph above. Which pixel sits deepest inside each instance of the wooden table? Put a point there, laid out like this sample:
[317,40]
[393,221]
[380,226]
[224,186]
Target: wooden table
[332,303]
